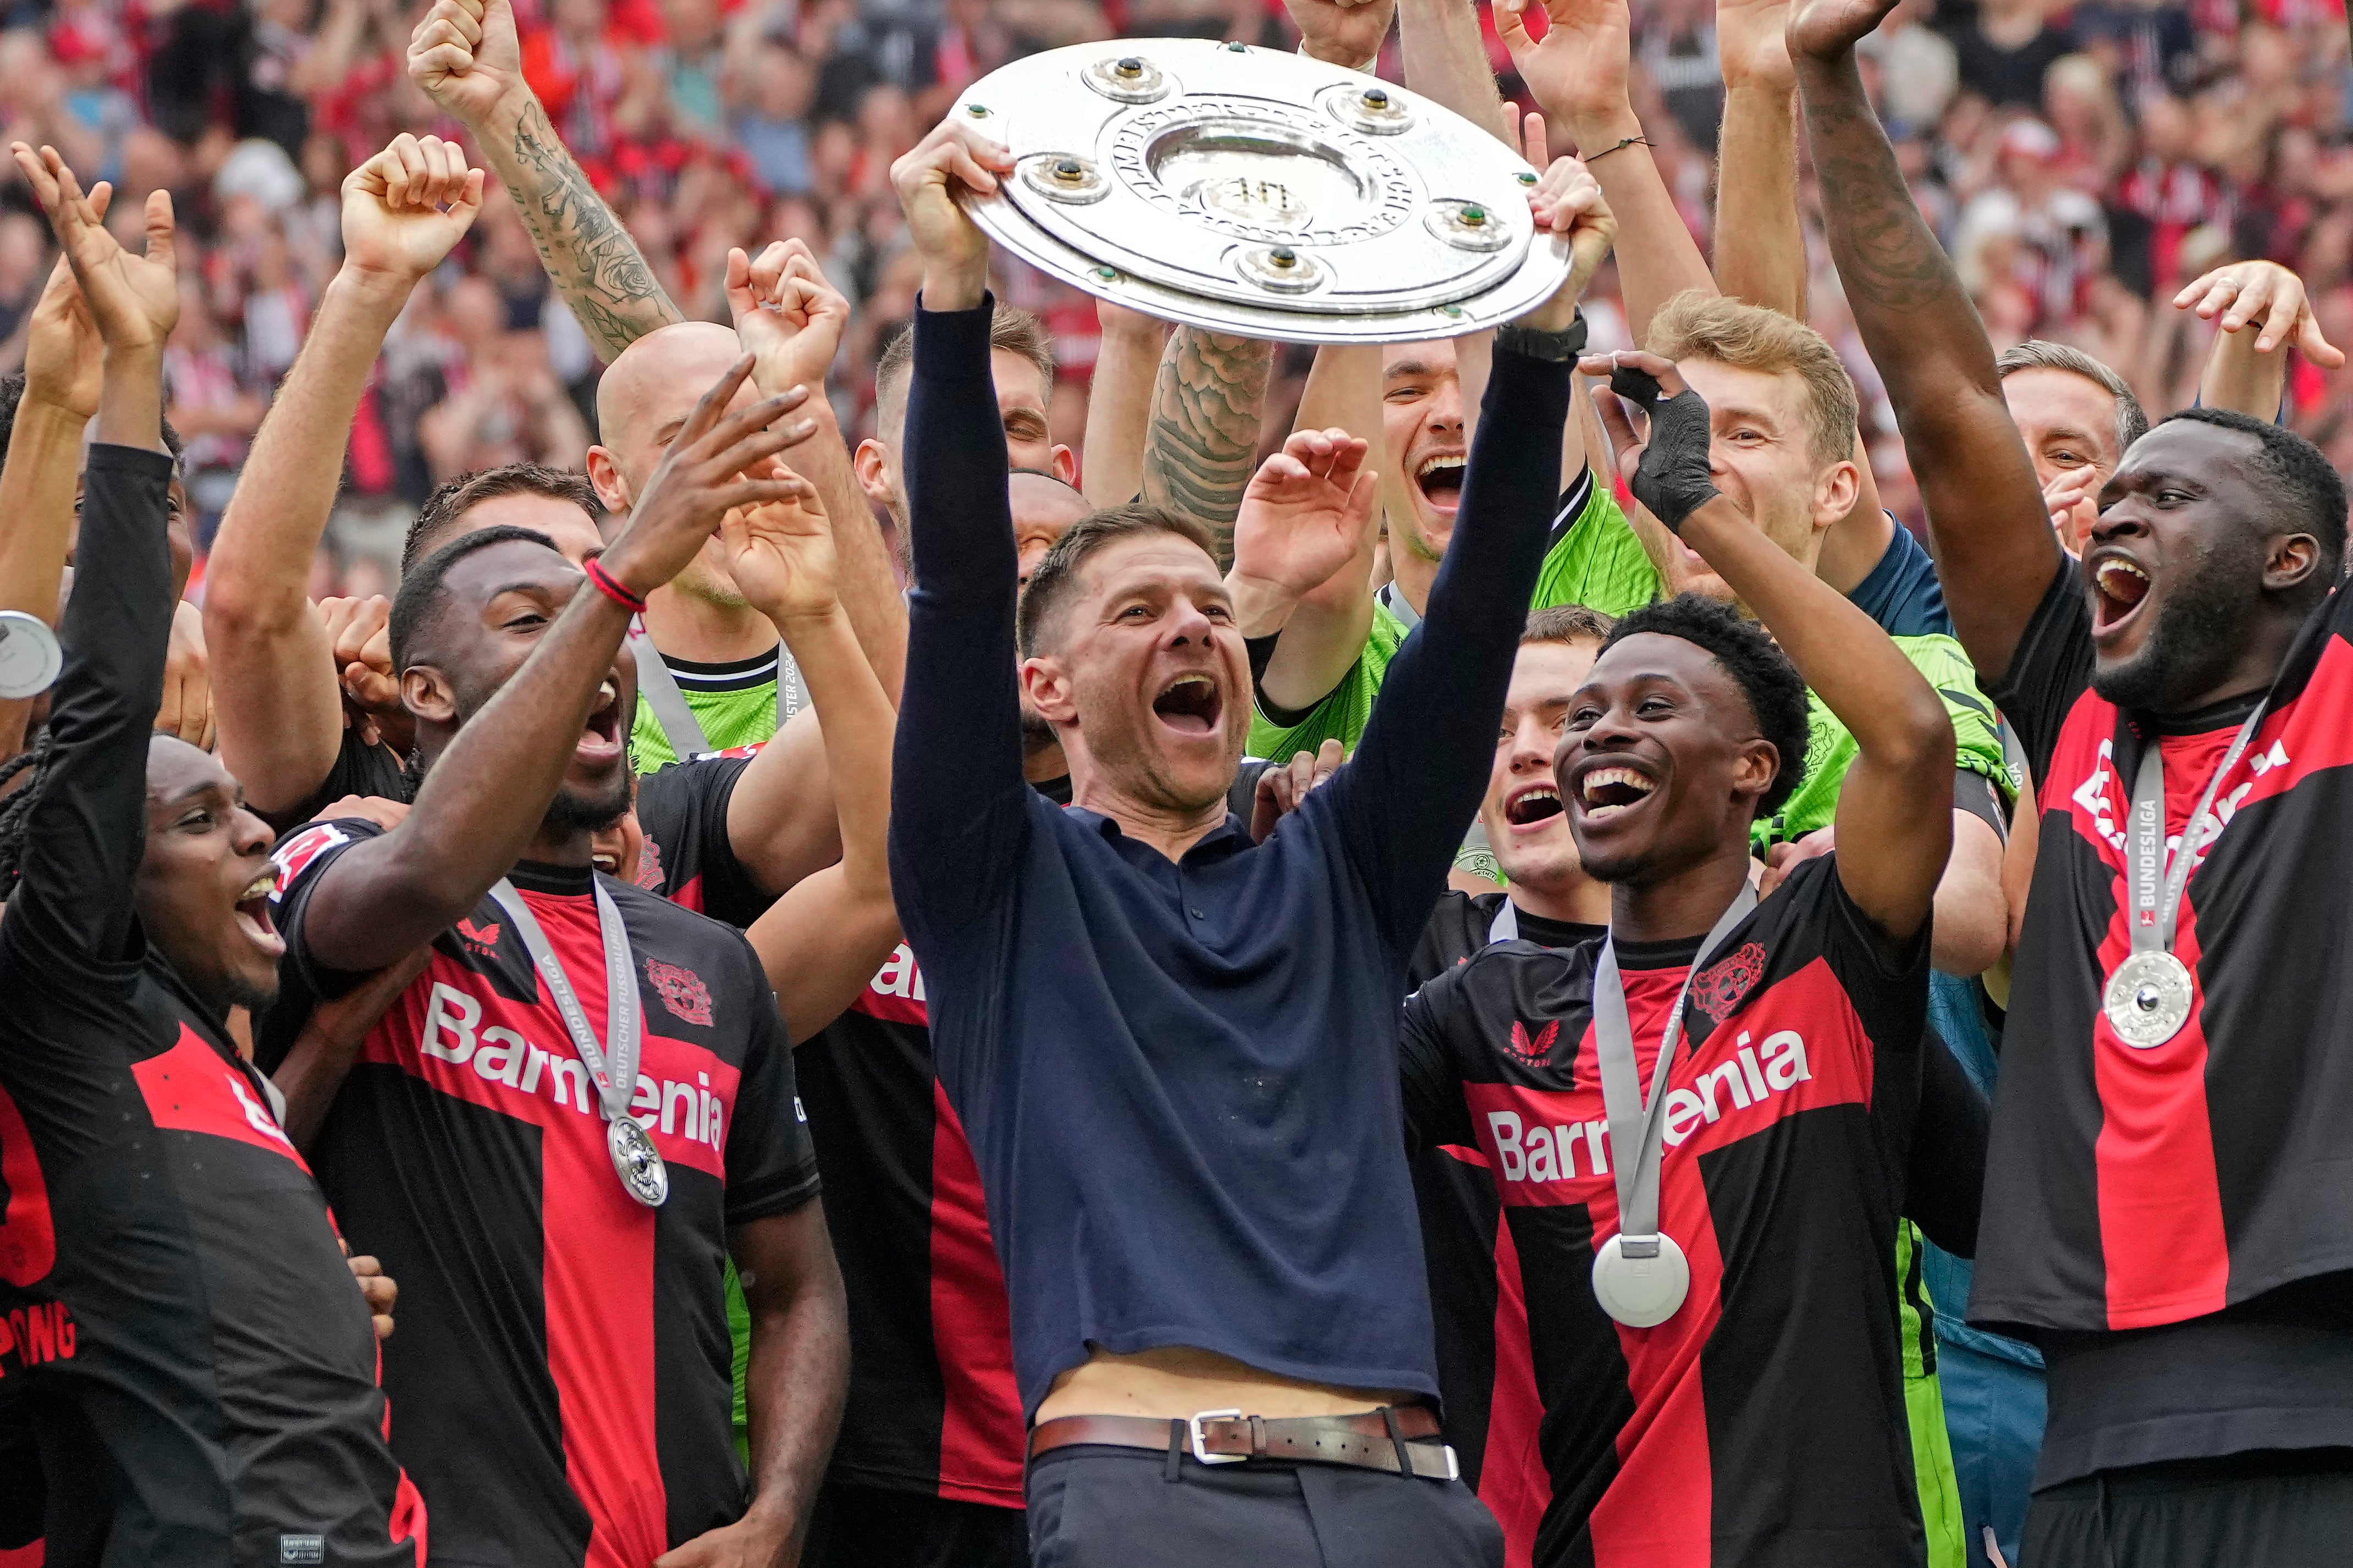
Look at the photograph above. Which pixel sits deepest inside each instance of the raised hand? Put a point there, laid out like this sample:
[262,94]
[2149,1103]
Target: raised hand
[1578,71]
[1668,470]
[706,473]
[1567,202]
[2245,291]
[62,348]
[953,160]
[1342,32]
[1826,29]
[394,224]
[465,56]
[787,314]
[2068,498]
[1281,788]
[780,551]
[1304,515]
[133,300]
[1753,44]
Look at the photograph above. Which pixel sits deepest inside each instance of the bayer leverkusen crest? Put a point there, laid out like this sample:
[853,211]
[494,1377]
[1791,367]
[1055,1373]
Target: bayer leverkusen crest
[681,991]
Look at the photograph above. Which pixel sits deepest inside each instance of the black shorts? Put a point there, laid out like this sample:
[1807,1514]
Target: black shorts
[867,1527]
[1103,1507]
[2270,1510]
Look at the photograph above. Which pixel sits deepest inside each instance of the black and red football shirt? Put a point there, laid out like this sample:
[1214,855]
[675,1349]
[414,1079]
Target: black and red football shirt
[2128,1191]
[177,1323]
[1765,1422]
[562,1367]
[933,1407]
[688,857]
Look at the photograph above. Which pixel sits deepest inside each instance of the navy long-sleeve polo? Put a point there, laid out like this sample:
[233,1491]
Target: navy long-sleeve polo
[1179,1079]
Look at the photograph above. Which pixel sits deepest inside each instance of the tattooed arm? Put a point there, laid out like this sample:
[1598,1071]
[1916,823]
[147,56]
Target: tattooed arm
[466,57]
[1987,523]
[1202,447]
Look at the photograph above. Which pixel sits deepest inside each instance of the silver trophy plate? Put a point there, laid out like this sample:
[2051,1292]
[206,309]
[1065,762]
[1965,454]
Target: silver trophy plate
[1250,191]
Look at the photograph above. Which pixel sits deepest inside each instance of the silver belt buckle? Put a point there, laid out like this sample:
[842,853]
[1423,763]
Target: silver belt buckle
[1202,1455]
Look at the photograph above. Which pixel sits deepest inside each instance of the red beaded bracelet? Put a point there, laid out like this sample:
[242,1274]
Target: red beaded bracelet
[608,586]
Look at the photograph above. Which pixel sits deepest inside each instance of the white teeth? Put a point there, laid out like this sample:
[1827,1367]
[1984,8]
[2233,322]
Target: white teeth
[1431,465]
[1184,681]
[1601,777]
[608,692]
[1541,794]
[262,887]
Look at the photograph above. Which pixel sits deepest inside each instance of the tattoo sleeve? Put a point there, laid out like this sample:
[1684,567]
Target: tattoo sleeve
[588,255]
[1202,446]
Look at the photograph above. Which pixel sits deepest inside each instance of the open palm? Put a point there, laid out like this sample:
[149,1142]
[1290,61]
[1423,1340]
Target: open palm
[1305,513]
[780,552]
[135,300]
[1577,70]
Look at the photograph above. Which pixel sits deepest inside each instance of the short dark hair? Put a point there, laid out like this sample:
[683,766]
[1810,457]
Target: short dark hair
[12,395]
[439,519]
[1010,328]
[1054,577]
[1567,624]
[2310,492]
[1775,691]
[418,603]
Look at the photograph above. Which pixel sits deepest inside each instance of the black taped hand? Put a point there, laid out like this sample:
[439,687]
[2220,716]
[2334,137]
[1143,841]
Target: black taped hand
[1673,480]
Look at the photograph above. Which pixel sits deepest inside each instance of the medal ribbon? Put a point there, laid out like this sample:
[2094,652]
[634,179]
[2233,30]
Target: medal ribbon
[2156,899]
[1632,1124]
[622,1016]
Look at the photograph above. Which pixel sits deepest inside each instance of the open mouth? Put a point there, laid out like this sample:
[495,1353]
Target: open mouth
[605,860]
[1190,705]
[1533,807]
[253,916]
[2118,589]
[1439,481]
[601,735]
[1603,793]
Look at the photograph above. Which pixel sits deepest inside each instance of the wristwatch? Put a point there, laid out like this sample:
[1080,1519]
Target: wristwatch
[1559,347]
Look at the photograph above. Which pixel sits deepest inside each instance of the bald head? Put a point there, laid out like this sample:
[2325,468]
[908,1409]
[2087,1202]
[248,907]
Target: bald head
[1044,508]
[648,392]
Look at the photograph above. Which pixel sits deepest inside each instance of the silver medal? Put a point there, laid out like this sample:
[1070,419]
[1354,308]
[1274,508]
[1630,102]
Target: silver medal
[2148,999]
[643,1175]
[31,658]
[1641,1292]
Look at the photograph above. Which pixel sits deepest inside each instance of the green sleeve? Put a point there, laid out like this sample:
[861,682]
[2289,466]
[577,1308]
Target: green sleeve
[1342,715]
[1598,561]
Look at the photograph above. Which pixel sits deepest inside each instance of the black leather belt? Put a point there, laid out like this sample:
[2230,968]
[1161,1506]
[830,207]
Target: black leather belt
[1399,1440]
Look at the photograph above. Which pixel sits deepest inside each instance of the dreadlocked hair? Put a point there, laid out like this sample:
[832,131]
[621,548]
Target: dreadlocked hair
[16,809]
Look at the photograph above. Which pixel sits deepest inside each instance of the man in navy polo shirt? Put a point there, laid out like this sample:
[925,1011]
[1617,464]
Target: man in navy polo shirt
[1174,1050]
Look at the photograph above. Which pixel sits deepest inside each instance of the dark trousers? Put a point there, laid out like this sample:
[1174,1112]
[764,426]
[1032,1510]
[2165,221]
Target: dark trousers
[867,1527]
[2278,1510]
[1123,1508]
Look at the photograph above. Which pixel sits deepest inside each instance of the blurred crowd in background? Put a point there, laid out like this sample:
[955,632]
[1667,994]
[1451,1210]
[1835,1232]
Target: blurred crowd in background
[2080,165]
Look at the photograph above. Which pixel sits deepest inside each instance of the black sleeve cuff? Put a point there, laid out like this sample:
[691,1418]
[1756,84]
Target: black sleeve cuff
[953,345]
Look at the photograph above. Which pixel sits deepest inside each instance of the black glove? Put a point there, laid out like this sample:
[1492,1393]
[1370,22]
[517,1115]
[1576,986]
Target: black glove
[1673,480]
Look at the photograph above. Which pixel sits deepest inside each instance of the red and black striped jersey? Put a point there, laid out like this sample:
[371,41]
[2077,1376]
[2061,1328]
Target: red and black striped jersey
[2129,1188]
[1786,1122]
[687,858]
[932,1408]
[563,1363]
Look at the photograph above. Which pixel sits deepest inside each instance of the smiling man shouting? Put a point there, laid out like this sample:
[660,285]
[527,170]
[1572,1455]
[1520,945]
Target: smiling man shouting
[1172,1049]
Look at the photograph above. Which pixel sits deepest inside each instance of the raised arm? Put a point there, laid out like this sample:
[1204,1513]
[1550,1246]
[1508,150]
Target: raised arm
[2248,371]
[86,831]
[1986,522]
[822,942]
[1119,402]
[1760,248]
[465,56]
[1446,61]
[1578,74]
[485,799]
[277,695]
[1415,783]
[1201,446]
[1895,809]
[959,747]
[62,358]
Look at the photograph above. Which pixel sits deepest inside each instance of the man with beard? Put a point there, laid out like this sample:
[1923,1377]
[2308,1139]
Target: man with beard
[1698,1138]
[565,1217]
[2170,1098]
[181,1329]
[1157,1034]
